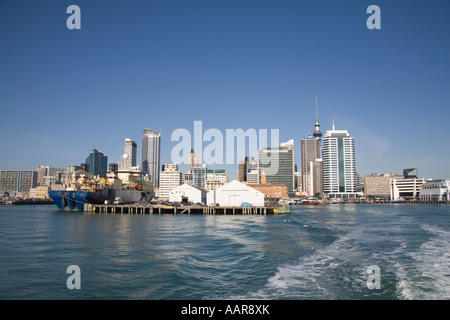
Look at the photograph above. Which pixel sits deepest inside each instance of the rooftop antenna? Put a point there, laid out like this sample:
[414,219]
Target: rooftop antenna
[333,125]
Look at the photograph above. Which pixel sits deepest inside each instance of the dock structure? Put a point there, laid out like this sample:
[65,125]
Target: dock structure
[161,209]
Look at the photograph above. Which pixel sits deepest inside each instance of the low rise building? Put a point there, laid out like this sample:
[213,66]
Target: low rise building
[187,193]
[379,185]
[435,191]
[406,188]
[235,193]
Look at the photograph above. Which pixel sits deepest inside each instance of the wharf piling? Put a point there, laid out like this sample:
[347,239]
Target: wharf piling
[206,210]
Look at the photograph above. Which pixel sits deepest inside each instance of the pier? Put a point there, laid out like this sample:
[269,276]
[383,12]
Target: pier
[205,210]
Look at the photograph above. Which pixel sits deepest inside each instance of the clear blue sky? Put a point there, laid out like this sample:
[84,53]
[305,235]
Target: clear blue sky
[231,64]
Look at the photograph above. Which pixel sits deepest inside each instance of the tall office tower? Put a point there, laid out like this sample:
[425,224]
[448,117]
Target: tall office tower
[98,163]
[278,164]
[170,178]
[339,173]
[311,165]
[310,147]
[195,160]
[151,149]
[129,155]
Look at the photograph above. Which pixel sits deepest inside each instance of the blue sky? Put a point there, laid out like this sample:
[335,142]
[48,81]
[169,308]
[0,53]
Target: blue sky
[231,64]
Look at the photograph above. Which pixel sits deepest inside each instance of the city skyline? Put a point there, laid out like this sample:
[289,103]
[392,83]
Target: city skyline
[256,64]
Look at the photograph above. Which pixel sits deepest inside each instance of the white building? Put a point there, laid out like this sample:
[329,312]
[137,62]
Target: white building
[169,179]
[339,172]
[235,193]
[435,190]
[187,193]
[406,189]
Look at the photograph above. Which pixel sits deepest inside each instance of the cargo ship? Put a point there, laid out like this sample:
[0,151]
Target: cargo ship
[120,187]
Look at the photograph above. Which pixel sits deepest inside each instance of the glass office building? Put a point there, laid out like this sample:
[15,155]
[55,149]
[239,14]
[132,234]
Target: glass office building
[98,163]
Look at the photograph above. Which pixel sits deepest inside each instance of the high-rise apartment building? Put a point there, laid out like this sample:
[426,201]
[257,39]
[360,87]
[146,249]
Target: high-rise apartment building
[339,173]
[278,164]
[129,155]
[151,151]
[98,163]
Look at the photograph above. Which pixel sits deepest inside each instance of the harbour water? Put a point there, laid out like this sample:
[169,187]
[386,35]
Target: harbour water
[315,252]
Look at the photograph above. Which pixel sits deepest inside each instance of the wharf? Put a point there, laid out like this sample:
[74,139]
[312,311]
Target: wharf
[161,209]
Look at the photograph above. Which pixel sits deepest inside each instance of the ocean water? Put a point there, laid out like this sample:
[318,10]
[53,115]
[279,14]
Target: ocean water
[315,252]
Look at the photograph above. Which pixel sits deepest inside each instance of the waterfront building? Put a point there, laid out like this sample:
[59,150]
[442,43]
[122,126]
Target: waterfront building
[379,185]
[407,188]
[235,193]
[98,163]
[270,191]
[278,164]
[130,154]
[339,173]
[435,191]
[188,193]
[17,181]
[170,178]
[199,176]
[151,154]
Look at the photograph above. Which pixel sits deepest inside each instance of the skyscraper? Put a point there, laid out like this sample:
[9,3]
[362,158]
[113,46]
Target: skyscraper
[278,164]
[151,149]
[129,159]
[98,163]
[339,173]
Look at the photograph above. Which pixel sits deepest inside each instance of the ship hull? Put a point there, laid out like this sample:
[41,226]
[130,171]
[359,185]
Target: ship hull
[70,198]
[77,199]
[59,198]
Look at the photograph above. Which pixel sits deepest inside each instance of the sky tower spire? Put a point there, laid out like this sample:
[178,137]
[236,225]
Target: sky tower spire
[317,132]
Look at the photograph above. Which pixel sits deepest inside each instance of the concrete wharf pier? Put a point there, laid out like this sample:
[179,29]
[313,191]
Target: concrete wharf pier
[161,209]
